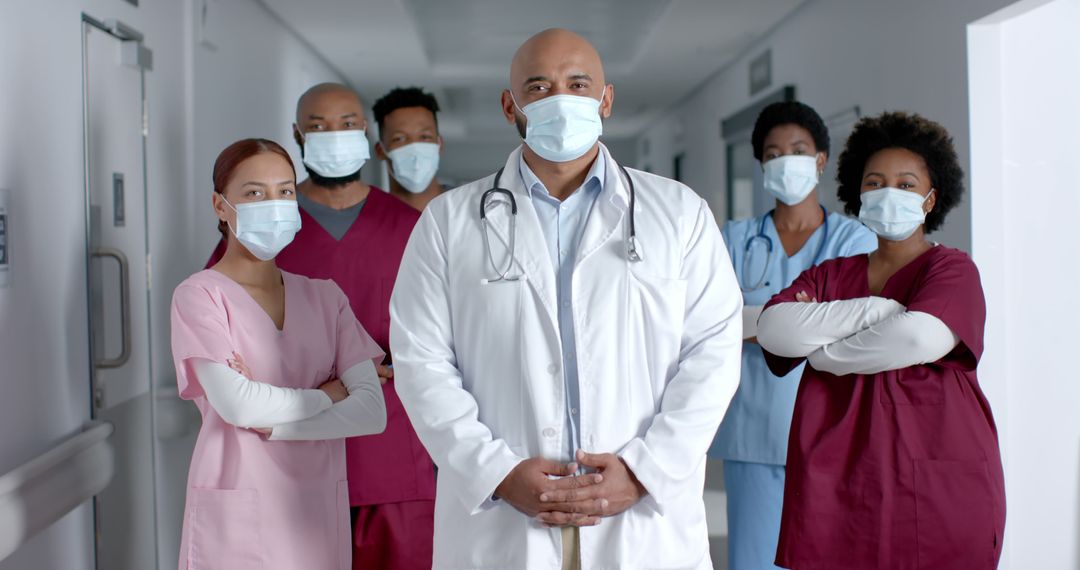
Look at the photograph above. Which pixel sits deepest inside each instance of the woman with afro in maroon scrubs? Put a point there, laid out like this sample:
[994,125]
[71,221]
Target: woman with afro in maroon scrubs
[893,458]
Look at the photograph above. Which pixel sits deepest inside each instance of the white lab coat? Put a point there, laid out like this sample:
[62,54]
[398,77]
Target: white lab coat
[477,367]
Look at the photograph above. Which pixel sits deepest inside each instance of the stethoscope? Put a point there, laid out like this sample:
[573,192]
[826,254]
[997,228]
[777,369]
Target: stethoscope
[769,251]
[633,253]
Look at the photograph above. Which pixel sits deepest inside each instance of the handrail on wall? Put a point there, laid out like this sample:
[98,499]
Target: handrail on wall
[38,493]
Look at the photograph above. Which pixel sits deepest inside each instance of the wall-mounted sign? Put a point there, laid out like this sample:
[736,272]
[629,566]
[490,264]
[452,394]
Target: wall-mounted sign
[760,72]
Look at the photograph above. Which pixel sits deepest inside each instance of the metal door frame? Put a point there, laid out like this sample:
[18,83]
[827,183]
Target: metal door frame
[124,33]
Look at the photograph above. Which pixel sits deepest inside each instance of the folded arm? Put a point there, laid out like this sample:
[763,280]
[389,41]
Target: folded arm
[906,339]
[246,403]
[362,413]
[750,316]
[795,330]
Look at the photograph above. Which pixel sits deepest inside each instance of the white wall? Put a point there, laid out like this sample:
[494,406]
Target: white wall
[1024,124]
[838,53]
[246,85]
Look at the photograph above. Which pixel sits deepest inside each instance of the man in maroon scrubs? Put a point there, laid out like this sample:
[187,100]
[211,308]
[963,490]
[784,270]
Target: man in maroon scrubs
[354,234]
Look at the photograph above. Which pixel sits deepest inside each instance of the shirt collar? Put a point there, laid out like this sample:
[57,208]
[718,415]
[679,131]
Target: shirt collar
[594,180]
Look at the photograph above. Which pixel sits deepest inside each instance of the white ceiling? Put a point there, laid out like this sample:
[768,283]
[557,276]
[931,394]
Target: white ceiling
[655,51]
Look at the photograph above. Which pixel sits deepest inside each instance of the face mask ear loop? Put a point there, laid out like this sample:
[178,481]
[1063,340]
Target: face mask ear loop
[231,230]
[519,110]
[389,162]
[516,106]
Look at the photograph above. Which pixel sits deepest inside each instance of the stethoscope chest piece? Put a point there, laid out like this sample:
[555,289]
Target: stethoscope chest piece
[633,249]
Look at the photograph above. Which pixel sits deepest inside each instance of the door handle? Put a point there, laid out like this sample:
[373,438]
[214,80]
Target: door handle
[125,308]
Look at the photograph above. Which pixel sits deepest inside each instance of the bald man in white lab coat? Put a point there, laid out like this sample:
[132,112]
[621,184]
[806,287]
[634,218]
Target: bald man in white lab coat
[567,373]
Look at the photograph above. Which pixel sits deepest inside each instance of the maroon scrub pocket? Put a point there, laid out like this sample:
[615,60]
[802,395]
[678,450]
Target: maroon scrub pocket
[954,512]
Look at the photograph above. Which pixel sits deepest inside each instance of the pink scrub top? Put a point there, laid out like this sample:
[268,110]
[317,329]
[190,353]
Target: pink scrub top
[900,469]
[393,466]
[254,503]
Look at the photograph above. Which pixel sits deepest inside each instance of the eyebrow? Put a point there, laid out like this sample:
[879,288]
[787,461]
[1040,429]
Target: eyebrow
[576,76]
[402,131]
[261,185]
[314,117]
[796,143]
[912,174]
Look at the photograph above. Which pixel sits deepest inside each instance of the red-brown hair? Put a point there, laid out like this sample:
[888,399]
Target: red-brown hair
[236,153]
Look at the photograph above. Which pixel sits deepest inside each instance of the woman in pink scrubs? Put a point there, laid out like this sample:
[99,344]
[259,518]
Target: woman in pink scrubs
[893,458]
[282,372]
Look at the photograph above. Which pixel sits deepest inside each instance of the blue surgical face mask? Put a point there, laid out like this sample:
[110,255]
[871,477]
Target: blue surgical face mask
[336,154]
[791,178]
[561,128]
[266,227]
[414,165]
[892,213]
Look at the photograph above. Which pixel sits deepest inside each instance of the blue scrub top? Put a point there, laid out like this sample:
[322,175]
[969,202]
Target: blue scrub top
[755,429]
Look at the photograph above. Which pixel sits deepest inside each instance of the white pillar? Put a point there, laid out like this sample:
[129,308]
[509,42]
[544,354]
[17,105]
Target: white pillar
[1024,88]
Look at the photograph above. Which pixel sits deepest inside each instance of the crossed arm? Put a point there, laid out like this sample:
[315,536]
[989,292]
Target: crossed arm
[354,408]
[854,336]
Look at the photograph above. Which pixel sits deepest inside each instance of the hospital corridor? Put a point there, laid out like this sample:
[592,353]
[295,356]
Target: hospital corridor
[547,284]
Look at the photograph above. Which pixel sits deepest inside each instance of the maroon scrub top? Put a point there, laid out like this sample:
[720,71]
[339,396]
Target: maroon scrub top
[393,466]
[899,469]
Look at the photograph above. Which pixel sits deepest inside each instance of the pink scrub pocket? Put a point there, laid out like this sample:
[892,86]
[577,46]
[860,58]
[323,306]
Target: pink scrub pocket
[224,530]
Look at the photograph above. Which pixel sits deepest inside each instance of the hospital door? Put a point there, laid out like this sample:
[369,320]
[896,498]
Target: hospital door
[114,63]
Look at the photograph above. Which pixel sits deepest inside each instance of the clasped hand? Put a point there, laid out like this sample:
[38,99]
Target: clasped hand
[555,495]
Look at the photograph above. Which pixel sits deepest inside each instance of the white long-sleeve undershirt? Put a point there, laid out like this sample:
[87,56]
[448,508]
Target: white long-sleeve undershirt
[295,413]
[855,336]
[362,413]
[750,315]
[794,330]
[903,340]
[249,404]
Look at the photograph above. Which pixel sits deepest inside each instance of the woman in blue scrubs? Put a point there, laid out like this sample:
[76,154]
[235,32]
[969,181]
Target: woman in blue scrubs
[792,144]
